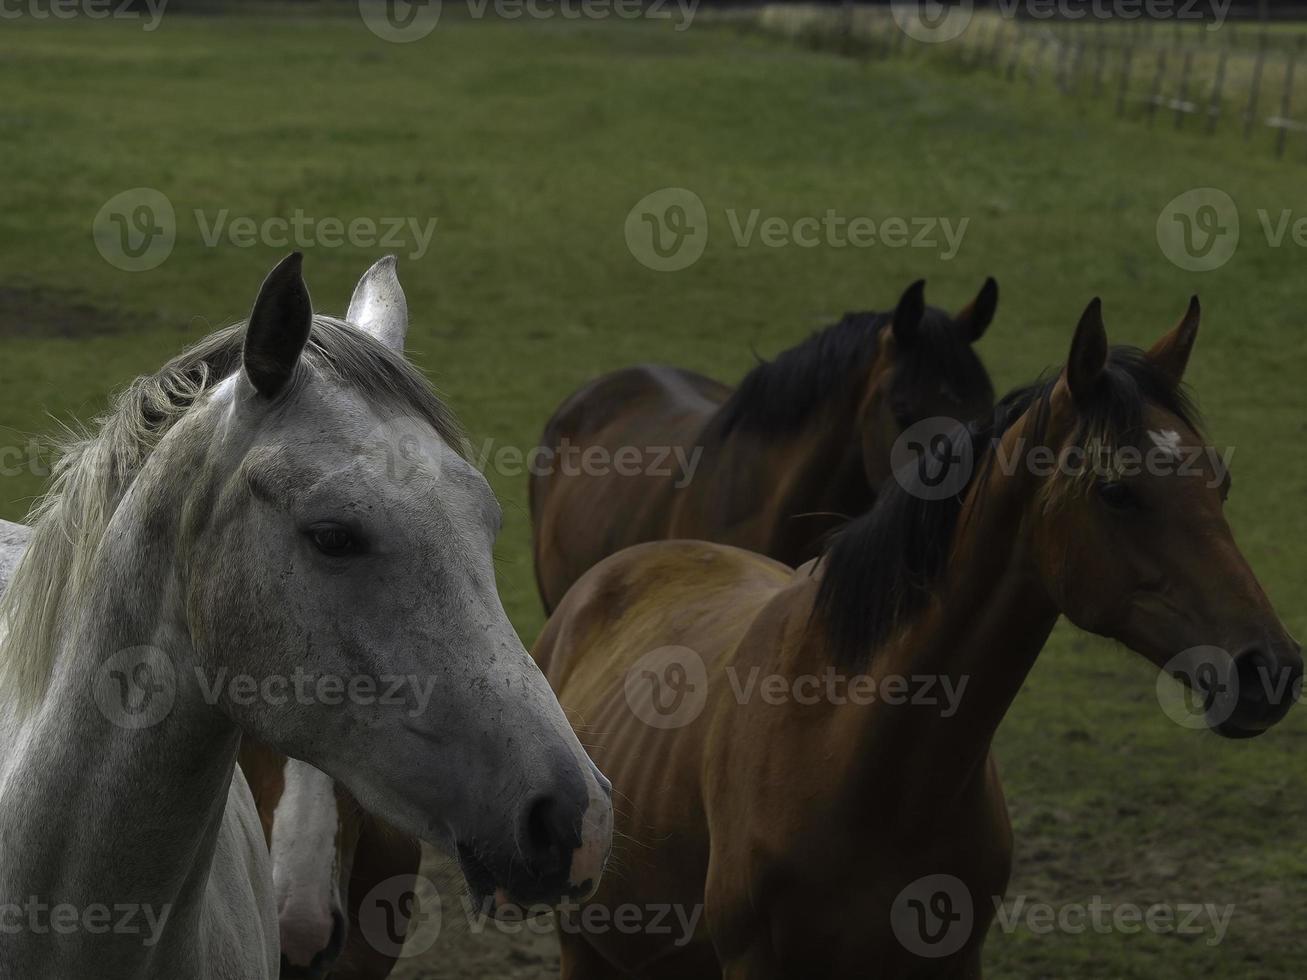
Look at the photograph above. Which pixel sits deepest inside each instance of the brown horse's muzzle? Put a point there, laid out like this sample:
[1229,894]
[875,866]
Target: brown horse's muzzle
[1263,682]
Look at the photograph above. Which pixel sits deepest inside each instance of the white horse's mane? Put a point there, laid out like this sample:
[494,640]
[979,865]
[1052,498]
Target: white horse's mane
[97,465]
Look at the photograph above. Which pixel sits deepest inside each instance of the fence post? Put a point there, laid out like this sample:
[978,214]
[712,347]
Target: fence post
[1000,42]
[1015,61]
[1216,103]
[1100,58]
[1077,58]
[1182,99]
[1254,87]
[1127,62]
[1286,98]
[1038,60]
[1156,93]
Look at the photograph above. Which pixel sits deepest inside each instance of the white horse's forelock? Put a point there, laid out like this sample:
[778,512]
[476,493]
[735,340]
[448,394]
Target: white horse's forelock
[95,467]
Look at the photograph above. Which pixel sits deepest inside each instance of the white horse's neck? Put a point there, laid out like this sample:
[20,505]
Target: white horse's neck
[96,813]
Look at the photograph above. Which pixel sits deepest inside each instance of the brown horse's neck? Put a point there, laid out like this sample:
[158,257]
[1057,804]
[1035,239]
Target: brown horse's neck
[796,486]
[964,658]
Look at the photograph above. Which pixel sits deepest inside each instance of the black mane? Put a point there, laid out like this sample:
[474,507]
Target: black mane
[881,568]
[779,396]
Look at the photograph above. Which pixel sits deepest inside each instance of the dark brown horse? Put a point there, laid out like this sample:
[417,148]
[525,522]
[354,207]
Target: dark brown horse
[830,829]
[654,452]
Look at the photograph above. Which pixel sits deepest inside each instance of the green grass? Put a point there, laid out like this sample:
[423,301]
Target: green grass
[530,142]
[1138,69]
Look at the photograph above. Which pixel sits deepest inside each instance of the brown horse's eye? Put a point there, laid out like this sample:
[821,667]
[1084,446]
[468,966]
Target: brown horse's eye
[333,540]
[1118,496]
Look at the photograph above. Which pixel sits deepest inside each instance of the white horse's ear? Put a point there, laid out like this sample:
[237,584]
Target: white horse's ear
[378,306]
[278,328]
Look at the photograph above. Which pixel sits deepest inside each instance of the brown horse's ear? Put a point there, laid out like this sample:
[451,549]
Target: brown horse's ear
[909,313]
[279,327]
[974,320]
[1088,352]
[1171,353]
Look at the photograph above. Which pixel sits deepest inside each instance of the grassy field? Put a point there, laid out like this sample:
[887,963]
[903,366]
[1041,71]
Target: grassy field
[1231,76]
[530,143]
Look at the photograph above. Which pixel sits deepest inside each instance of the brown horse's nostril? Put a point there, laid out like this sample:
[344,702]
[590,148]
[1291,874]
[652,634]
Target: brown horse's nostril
[1266,685]
[323,960]
[1253,670]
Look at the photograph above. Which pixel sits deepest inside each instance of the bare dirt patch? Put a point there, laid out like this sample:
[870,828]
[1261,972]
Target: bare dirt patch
[467,950]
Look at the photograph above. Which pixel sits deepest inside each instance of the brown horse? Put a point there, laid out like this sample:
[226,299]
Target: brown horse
[827,829]
[327,857]
[773,465]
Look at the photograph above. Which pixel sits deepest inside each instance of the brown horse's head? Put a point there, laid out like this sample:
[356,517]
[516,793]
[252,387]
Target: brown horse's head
[925,368]
[1129,530]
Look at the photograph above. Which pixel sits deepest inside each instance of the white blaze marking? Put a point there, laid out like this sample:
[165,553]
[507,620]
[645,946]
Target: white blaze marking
[1168,441]
[304,877]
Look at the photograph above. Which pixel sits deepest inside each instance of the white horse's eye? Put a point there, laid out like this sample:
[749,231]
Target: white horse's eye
[334,540]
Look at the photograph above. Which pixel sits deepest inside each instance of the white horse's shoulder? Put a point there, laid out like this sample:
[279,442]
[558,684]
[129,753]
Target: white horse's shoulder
[240,894]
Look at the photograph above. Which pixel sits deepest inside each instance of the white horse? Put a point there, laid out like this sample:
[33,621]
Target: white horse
[275,534]
[13,541]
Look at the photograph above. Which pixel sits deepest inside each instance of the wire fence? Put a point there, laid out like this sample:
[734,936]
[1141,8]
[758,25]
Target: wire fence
[1246,79]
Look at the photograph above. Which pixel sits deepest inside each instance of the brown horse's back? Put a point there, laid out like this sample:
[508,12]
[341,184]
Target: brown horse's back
[605,650]
[618,447]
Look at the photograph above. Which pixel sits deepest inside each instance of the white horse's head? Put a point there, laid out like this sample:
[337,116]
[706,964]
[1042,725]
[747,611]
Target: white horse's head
[341,557]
